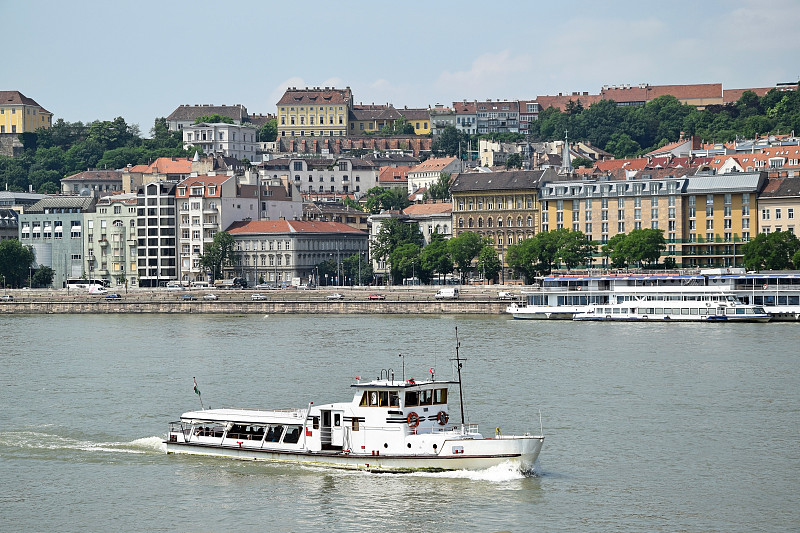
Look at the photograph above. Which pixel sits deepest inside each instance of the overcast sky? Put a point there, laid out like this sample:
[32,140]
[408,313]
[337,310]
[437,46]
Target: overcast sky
[97,60]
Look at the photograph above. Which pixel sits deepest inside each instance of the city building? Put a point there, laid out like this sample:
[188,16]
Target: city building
[19,201]
[54,228]
[162,169]
[428,172]
[206,205]
[432,217]
[314,112]
[365,119]
[498,116]
[156,239]
[336,212]
[466,117]
[441,117]
[699,95]
[779,206]
[185,115]
[92,182]
[231,140]
[110,240]
[19,114]
[287,252]
[420,118]
[501,206]
[9,224]
[342,176]
[394,177]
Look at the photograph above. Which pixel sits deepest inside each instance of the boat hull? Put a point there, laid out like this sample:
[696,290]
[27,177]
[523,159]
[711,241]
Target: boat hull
[456,454]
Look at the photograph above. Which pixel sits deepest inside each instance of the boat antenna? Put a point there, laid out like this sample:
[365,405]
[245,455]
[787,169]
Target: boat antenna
[197,391]
[404,366]
[458,367]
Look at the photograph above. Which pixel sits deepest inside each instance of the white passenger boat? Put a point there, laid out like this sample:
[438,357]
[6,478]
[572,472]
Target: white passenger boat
[567,296]
[389,426]
[692,304]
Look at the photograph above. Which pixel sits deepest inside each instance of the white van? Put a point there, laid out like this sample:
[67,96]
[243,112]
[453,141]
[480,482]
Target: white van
[449,293]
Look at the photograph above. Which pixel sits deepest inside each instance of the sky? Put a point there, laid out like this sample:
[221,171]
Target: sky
[98,60]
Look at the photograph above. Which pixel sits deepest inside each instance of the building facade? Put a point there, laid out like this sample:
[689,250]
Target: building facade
[230,140]
[92,182]
[19,114]
[110,241]
[498,116]
[185,115]
[156,234]
[286,252]
[314,112]
[54,228]
[779,206]
[346,175]
[428,172]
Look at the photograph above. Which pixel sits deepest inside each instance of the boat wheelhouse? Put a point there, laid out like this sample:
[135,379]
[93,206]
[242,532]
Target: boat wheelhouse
[389,426]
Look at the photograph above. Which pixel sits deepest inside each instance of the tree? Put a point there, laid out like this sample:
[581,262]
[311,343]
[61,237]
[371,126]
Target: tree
[489,262]
[463,249]
[775,251]
[405,262]
[440,189]
[327,270]
[15,260]
[435,257]
[573,248]
[449,142]
[215,118]
[43,277]
[615,251]
[514,161]
[645,245]
[269,131]
[379,199]
[357,269]
[579,162]
[218,254]
[393,234]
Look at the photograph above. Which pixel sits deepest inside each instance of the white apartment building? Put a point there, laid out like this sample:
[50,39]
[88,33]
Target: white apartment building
[110,241]
[232,140]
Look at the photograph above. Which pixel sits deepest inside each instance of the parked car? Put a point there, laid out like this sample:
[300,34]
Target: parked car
[258,296]
[188,297]
[113,296]
[503,295]
[210,296]
[6,298]
[376,296]
[447,294]
[336,296]
[264,286]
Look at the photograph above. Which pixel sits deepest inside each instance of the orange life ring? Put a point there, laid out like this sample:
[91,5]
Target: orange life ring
[579,287]
[764,286]
[412,419]
[442,418]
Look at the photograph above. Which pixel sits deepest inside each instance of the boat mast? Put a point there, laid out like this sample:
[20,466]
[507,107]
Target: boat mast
[458,367]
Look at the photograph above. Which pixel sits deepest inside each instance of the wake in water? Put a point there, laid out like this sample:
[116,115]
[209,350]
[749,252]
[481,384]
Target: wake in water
[35,440]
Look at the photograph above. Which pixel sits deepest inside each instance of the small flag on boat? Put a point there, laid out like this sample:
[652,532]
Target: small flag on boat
[196,390]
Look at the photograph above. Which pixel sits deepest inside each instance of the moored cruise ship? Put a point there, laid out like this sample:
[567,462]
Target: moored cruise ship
[567,296]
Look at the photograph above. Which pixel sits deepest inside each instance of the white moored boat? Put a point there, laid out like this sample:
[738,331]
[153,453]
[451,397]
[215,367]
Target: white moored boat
[389,426]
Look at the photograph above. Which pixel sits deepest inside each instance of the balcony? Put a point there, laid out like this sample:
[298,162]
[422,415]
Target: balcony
[103,242]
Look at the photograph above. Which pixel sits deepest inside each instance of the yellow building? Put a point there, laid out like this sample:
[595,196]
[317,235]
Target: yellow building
[419,118]
[314,112]
[371,118]
[20,114]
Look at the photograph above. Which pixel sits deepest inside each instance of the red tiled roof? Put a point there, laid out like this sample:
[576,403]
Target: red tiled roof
[393,175]
[435,163]
[315,96]
[429,209]
[286,226]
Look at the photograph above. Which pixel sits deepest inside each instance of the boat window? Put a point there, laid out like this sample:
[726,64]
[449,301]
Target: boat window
[411,399]
[440,396]
[383,398]
[355,423]
[315,422]
[364,398]
[394,399]
[684,311]
[426,397]
[292,435]
[694,310]
[274,433]
[337,420]
[373,398]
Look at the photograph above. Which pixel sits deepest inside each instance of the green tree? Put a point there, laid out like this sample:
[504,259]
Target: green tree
[621,145]
[379,199]
[514,161]
[214,118]
[440,189]
[15,260]
[393,234]
[614,249]
[357,269]
[435,257]
[218,254]
[579,162]
[489,262]
[269,131]
[775,251]
[327,271]
[644,245]
[463,249]
[405,262]
[449,143]
[43,277]
[573,248]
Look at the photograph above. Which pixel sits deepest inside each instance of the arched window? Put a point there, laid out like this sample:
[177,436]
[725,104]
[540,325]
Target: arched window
[519,222]
[489,222]
[530,221]
[460,222]
[480,222]
[499,222]
[118,224]
[510,222]
[470,223]
[445,229]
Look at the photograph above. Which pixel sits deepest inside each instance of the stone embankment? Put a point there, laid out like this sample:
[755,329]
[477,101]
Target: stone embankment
[414,301]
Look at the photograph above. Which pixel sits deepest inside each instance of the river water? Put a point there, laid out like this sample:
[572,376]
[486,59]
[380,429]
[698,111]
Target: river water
[649,427]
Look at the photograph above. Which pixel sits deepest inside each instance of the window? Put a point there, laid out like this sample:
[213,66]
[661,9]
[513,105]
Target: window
[777,213]
[790,213]
[765,214]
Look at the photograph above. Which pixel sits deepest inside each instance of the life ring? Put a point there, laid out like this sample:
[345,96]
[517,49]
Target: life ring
[765,286]
[412,419]
[579,287]
[442,418]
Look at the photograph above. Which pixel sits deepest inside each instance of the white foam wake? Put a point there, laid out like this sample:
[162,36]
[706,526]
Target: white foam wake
[47,441]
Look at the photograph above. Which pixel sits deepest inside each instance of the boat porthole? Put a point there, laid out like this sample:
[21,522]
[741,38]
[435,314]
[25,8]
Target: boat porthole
[435,446]
[385,444]
[409,445]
